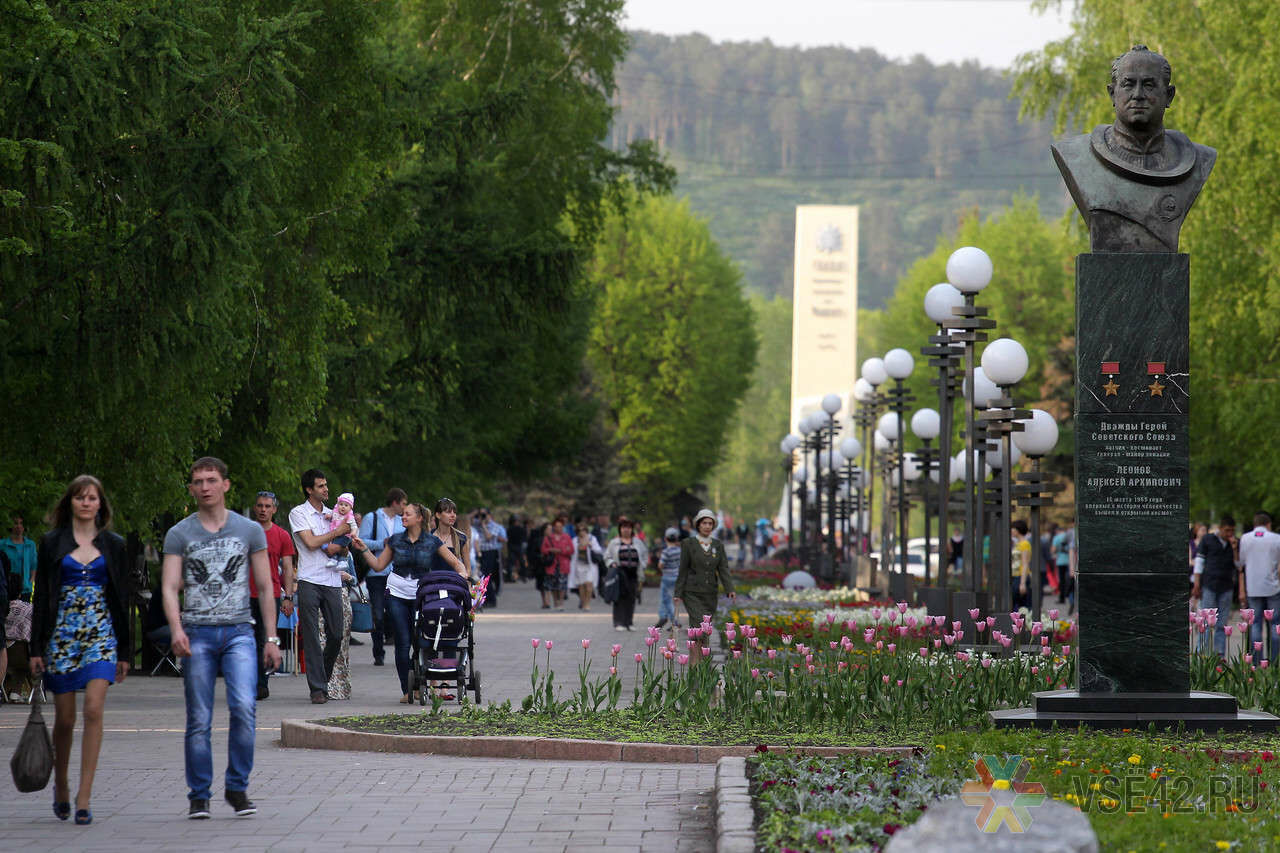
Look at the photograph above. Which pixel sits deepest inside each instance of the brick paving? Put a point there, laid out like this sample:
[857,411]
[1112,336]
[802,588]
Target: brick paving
[316,800]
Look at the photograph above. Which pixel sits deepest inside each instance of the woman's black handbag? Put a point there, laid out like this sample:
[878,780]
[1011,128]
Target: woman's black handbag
[609,589]
[32,762]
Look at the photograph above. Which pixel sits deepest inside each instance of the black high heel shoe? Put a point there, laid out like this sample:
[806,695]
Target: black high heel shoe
[84,817]
[62,811]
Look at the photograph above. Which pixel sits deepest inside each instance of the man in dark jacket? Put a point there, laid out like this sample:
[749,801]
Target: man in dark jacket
[1217,577]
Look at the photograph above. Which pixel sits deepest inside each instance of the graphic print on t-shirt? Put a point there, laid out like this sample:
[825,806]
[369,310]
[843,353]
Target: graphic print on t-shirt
[215,575]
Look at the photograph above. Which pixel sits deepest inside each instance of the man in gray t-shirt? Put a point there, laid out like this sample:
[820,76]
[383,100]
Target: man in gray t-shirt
[215,568]
[208,557]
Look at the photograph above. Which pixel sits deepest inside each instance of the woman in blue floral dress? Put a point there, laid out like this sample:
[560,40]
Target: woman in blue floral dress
[80,629]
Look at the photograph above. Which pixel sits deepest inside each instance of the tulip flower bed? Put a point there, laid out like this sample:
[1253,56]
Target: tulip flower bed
[847,677]
[1141,791]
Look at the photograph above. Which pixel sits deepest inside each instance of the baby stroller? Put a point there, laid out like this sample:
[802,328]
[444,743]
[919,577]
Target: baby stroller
[443,643]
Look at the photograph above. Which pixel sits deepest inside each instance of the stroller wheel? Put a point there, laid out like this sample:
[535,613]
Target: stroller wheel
[413,682]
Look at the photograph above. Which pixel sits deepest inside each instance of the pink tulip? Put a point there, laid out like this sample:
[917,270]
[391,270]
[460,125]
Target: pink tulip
[1248,658]
[991,620]
[986,663]
[937,644]
[997,637]
[1228,629]
[1247,616]
[833,645]
[667,653]
[1044,639]
[772,653]
[949,639]
[649,641]
[707,629]
[1268,615]
[841,666]
[755,642]
[1066,650]
[683,659]
[1257,647]
[536,642]
[808,658]
[1277,630]
[737,654]
[730,634]
[831,617]
[959,633]
[902,607]
[868,635]
[639,657]
[690,633]
[875,614]
[902,630]
[1053,614]
[899,682]
[974,614]
[810,668]
[1006,641]
[1036,628]
[981,626]
[706,651]
[1212,616]
[955,626]
[802,648]
[1265,662]
[924,652]
[786,639]
[548,645]
[1035,670]
[1045,651]
[911,621]
[885,679]
[671,643]
[613,670]
[963,657]
[689,644]
[615,649]
[892,648]
[586,644]
[755,673]
[879,645]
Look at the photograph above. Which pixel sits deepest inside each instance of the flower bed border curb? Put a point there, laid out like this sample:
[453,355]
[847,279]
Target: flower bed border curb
[735,818]
[304,734]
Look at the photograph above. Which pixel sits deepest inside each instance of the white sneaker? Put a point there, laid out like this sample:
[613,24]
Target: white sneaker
[618,628]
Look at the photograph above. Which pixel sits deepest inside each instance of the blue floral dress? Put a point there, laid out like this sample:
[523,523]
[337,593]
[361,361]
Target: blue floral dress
[83,645]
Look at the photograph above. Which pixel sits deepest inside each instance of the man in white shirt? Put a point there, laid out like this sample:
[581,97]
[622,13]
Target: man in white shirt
[319,583]
[1260,554]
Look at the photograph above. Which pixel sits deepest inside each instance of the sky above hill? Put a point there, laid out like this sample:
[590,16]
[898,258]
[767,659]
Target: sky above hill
[990,31]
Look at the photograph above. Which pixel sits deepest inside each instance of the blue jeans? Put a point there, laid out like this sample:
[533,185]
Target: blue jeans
[1210,598]
[401,613]
[1271,645]
[666,600]
[230,648]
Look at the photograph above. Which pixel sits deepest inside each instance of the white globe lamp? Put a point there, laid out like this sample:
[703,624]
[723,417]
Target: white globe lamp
[888,425]
[898,363]
[939,302]
[873,371]
[1005,362]
[851,448]
[926,424]
[969,269]
[986,389]
[831,404]
[1040,434]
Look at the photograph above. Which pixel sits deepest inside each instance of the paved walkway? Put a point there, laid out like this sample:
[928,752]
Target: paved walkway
[316,800]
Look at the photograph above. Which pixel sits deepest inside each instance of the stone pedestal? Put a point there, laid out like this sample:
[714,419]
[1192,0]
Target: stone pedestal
[1132,504]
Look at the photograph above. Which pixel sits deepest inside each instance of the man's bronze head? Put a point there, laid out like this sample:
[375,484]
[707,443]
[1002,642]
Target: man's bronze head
[1140,89]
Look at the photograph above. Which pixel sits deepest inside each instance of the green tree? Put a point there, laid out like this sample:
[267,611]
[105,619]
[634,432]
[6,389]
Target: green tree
[749,481]
[1228,81]
[672,346]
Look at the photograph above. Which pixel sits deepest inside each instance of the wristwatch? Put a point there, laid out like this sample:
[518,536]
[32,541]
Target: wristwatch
[275,640]
[286,598]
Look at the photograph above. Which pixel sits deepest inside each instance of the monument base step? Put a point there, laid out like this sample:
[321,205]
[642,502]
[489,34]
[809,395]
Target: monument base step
[1194,710]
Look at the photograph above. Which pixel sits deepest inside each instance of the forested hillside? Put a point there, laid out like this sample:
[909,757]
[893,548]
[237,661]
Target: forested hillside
[755,129]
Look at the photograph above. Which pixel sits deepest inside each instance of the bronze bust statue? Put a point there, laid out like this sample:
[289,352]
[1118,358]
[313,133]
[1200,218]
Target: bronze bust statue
[1134,181]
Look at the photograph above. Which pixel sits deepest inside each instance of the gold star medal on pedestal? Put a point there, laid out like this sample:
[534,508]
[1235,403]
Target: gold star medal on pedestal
[1110,369]
[1155,368]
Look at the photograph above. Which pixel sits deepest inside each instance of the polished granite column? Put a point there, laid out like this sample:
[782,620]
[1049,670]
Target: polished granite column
[1132,479]
[1132,499]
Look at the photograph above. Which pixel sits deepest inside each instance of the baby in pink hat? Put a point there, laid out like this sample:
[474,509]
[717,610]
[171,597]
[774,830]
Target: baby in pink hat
[343,515]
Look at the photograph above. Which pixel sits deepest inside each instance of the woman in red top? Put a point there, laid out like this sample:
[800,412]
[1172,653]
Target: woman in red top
[557,549]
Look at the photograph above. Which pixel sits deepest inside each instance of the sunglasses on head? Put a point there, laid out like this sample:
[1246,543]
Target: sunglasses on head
[271,495]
